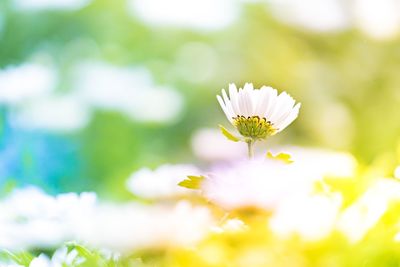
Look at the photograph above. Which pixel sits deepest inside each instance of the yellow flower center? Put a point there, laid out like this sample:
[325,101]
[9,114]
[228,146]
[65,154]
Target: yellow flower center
[254,127]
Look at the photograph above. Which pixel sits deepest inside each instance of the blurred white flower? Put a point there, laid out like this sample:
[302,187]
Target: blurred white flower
[311,217]
[41,261]
[25,82]
[396,238]
[379,19]
[161,182]
[315,15]
[397,172]
[317,163]
[198,15]
[108,86]
[258,113]
[255,183]
[127,90]
[132,226]
[363,215]
[61,258]
[30,218]
[54,113]
[33,5]
[209,144]
[160,104]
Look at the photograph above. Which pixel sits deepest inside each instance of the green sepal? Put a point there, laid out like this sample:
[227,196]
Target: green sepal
[229,135]
[287,158]
[192,182]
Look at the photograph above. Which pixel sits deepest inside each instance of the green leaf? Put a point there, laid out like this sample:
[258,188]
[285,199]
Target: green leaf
[287,158]
[82,251]
[92,258]
[228,134]
[192,182]
[22,258]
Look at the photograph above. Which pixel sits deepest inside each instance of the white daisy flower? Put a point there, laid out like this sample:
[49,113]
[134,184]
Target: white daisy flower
[258,113]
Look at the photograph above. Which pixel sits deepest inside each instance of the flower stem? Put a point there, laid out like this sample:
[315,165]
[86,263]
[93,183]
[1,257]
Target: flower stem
[250,148]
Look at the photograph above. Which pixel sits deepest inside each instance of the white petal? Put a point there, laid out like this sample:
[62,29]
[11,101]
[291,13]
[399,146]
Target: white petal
[228,103]
[255,99]
[233,94]
[250,98]
[243,103]
[261,100]
[284,102]
[292,116]
[285,109]
[271,101]
[222,104]
[248,87]
[264,102]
